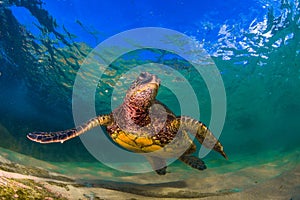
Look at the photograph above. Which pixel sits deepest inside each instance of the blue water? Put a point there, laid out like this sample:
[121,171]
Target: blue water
[254,43]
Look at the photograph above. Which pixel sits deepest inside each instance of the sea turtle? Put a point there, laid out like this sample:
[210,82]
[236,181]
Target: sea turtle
[143,124]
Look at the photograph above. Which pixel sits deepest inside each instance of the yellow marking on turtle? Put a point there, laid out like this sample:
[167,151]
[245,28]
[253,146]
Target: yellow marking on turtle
[131,136]
[124,137]
[151,148]
[114,135]
[157,142]
[128,146]
[143,141]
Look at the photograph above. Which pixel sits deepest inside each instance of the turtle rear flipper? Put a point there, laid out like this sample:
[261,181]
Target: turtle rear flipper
[158,164]
[193,161]
[61,136]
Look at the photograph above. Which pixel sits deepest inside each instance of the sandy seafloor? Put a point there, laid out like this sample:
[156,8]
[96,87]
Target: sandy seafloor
[254,178]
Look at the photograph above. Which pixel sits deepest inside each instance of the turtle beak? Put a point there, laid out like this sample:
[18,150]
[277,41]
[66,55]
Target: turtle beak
[155,80]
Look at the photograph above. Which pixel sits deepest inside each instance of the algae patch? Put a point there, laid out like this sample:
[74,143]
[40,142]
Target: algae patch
[33,171]
[24,189]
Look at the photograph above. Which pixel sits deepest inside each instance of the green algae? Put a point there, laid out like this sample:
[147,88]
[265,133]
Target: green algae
[62,185]
[25,189]
[33,171]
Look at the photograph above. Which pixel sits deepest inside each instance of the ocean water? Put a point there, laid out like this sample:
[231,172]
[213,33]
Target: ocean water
[255,44]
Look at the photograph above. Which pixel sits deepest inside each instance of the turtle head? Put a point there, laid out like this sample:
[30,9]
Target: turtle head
[142,91]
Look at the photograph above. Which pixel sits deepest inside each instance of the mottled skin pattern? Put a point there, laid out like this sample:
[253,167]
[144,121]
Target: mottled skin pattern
[142,124]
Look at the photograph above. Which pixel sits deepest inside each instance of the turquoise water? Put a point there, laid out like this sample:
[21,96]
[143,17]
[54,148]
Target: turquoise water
[257,52]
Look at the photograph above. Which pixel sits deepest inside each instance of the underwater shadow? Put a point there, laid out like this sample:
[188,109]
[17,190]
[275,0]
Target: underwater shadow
[172,189]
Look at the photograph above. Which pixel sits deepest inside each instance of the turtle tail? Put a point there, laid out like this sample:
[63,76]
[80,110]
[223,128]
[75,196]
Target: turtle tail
[202,134]
[61,136]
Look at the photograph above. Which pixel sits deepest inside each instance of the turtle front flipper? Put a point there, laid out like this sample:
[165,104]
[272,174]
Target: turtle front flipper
[51,137]
[201,133]
[61,136]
